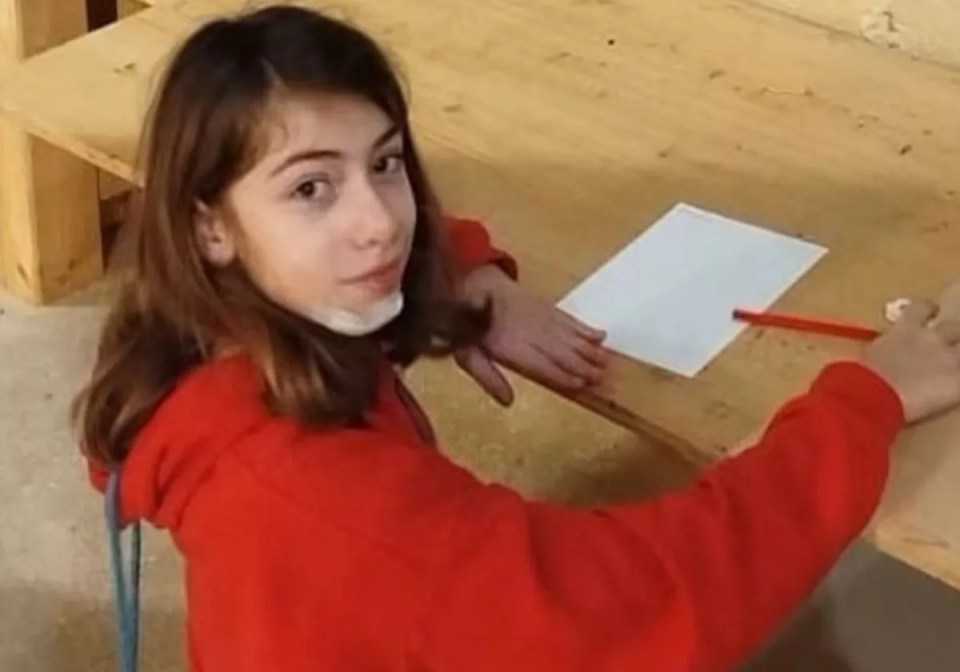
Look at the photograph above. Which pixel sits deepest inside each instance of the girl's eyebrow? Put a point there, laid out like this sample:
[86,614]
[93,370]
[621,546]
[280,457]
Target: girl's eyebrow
[319,154]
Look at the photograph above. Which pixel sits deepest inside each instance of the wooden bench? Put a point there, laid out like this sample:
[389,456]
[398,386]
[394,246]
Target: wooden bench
[47,244]
[570,126]
[49,222]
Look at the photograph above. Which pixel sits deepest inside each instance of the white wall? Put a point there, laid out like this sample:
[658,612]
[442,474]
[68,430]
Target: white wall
[929,29]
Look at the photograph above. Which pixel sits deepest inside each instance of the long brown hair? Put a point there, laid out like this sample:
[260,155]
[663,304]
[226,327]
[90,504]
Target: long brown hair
[173,309]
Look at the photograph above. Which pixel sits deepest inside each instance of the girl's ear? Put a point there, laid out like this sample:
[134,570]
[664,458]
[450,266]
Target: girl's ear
[216,242]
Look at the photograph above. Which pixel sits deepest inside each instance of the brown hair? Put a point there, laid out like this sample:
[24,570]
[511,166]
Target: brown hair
[173,308]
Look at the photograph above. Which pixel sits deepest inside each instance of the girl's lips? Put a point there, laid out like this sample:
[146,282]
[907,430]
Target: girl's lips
[388,274]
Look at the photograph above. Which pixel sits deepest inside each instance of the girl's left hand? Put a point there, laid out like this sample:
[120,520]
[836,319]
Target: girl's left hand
[530,336]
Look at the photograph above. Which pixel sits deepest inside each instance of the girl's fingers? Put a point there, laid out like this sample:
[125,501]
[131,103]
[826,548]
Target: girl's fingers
[590,348]
[584,330]
[919,313]
[949,331]
[482,369]
[545,366]
[592,352]
[570,360]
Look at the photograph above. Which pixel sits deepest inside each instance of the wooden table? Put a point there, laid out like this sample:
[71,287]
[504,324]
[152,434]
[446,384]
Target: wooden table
[572,125]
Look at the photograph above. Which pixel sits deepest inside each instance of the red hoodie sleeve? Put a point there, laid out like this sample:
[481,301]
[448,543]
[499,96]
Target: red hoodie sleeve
[358,550]
[693,581]
[470,246]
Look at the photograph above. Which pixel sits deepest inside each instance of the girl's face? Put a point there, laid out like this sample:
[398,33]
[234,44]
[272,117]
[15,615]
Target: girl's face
[325,219]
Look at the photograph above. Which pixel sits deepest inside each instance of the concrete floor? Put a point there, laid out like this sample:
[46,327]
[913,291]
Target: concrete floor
[873,615]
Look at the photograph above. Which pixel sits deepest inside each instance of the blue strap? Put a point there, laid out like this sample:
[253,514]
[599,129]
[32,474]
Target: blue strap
[126,584]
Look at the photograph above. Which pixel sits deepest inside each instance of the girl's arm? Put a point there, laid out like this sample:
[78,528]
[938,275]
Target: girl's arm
[471,247]
[692,581]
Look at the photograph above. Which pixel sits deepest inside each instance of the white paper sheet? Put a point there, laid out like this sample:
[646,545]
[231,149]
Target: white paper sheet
[667,298]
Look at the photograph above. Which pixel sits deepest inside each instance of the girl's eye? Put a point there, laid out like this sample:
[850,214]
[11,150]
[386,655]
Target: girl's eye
[311,190]
[392,163]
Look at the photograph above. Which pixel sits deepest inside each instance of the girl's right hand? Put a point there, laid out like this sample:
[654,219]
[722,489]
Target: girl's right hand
[920,358]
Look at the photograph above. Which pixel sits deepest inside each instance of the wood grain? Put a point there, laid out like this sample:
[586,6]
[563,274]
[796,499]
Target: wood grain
[129,7]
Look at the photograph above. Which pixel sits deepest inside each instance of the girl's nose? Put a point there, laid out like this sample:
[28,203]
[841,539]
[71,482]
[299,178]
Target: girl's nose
[373,223]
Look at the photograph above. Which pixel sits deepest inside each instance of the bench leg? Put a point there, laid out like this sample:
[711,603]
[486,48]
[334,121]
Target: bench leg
[49,219]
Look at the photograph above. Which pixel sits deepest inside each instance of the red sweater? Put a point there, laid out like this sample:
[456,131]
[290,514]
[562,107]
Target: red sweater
[350,550]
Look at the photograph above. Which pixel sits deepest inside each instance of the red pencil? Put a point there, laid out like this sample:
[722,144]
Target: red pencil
[798,323]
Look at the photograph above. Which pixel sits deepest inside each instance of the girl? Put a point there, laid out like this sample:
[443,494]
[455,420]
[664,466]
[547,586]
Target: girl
[290,258]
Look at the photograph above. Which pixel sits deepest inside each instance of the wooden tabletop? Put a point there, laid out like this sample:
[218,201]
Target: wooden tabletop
[571,125]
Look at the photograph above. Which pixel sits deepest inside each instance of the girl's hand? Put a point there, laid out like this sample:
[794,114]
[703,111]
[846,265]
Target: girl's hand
[920,358]
[530,336]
